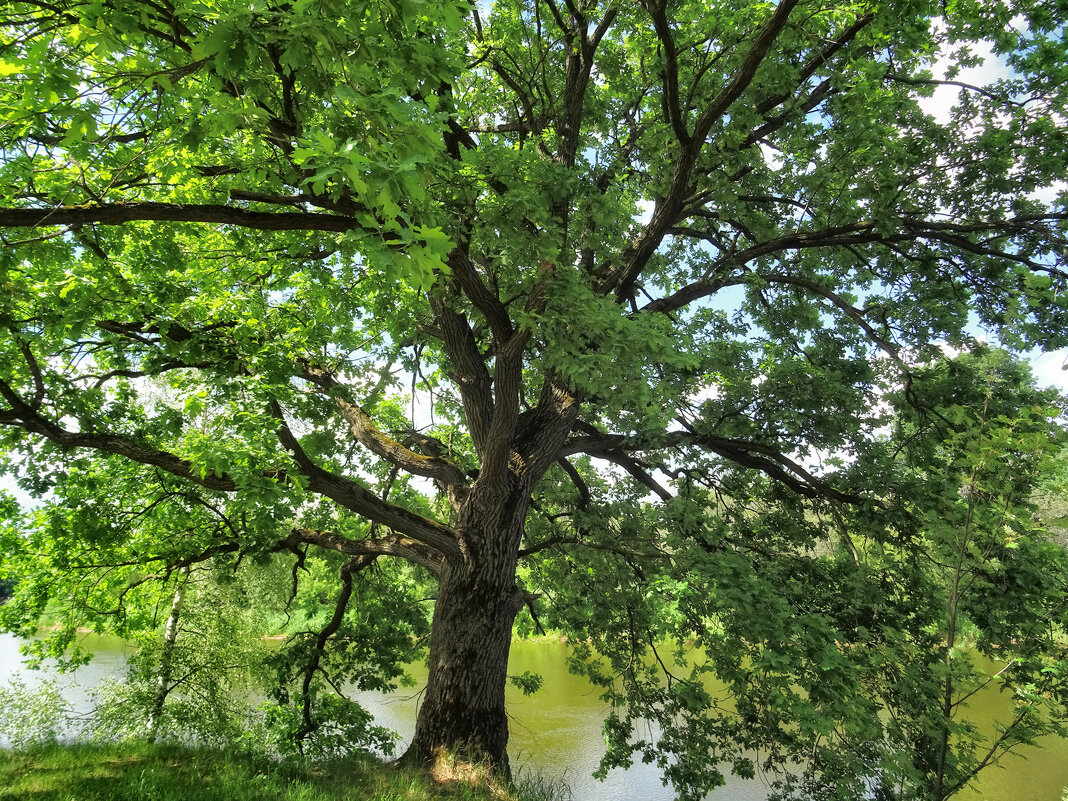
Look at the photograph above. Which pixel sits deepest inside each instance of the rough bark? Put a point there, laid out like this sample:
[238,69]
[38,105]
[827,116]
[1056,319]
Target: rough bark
[463,713]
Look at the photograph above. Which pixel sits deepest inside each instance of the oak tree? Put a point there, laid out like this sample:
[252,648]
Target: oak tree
[625,316]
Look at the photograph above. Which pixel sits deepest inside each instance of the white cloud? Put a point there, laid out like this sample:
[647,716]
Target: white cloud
[1050,369]
[944,98]
[1048,194]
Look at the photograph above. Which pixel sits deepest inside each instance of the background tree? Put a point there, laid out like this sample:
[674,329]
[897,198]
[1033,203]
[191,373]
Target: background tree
[650,268]
[197,623]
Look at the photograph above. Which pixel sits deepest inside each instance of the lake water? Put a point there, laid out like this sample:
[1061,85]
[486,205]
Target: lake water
[557,731]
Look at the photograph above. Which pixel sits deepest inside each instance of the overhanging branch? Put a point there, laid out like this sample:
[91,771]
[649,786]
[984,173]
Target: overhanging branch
[22,415]
[743,452]
[865,232]
[216,214]
[345,491]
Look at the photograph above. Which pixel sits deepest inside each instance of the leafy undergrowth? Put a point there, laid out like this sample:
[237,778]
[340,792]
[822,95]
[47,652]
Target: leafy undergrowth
[166,773]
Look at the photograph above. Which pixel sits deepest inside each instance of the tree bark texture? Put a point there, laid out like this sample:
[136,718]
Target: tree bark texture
[463,713]
[163,677]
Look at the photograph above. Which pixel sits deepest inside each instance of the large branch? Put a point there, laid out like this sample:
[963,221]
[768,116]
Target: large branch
[745,75]
[484,300]
[820,59]
[670,98]
[578,67]
[365,431]
[433,467]
[345,491]
[402,547]
[469,371]
[770,462]
[824,90]
[507,385]
[368,435]
[637,471]
[743,452]
[709,287]
[360,423]
[24,416]
[851,311]
[620,277]
[542,430]
[524,443]
[860,233]
[120,213]
[354,496]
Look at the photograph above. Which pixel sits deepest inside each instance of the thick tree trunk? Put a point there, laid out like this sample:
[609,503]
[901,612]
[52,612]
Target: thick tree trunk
[462,715]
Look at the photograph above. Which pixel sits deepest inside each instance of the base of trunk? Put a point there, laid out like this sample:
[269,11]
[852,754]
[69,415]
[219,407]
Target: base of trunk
[445,767]
[462,720]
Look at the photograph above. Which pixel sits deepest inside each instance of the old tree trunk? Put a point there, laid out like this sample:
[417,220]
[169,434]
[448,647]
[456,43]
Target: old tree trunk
[463,712]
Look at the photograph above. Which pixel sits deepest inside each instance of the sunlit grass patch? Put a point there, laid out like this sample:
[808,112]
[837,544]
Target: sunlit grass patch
[167,773]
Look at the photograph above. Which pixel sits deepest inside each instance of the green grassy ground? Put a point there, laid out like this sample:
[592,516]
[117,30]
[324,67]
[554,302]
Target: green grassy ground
[162,773]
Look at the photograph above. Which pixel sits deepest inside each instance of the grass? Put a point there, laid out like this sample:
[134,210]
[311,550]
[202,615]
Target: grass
[169,773]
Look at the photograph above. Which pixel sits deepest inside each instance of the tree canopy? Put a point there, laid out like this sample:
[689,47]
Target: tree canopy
[650,322]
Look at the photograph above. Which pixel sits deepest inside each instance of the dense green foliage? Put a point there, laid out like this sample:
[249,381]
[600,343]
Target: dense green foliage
[651,322]
[851,641]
